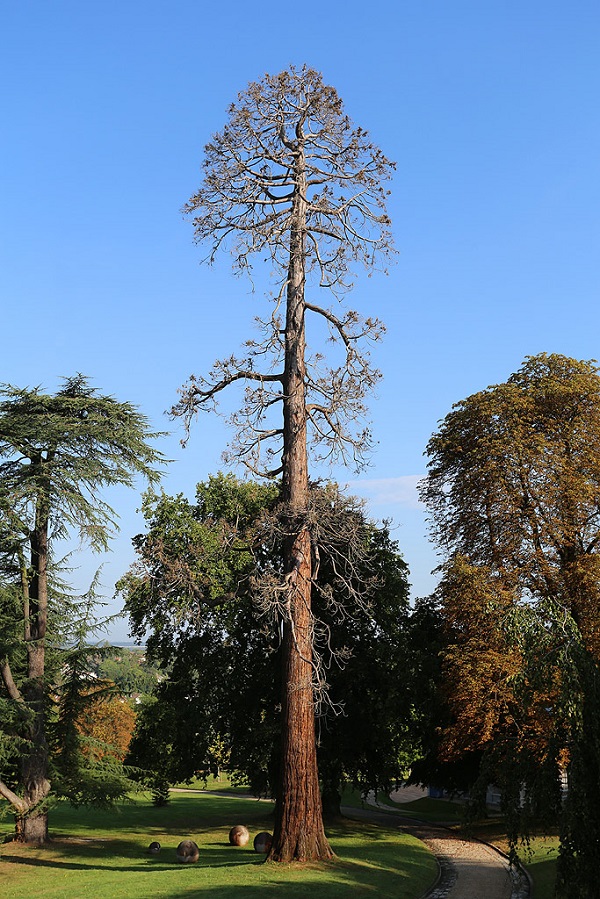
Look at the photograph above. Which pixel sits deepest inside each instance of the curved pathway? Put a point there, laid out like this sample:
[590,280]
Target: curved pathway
[469,869]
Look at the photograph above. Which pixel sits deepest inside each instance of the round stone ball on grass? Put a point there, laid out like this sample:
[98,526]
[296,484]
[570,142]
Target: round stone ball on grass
[262,842]
[187,852]
[239,835]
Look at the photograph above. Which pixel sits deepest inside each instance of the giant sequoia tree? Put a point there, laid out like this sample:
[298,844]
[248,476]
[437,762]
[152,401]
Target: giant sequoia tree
[292,180]
[514,492]
[56,453]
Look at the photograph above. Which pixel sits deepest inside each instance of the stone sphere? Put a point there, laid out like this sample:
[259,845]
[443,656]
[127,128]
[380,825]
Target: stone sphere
[187,852]
[154,847]
[262,841]
[238,835]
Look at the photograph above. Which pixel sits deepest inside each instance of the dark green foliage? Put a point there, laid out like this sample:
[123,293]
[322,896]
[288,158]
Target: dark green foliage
[160,791]
[577,876]
[62,451]
[196,600]
[426,642]
[127,668]
[370,742]
[194,587]
[57,453]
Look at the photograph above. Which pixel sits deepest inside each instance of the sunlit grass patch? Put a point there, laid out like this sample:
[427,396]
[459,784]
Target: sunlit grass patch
[103,854]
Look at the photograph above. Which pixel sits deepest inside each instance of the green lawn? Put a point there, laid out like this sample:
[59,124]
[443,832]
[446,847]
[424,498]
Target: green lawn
[103,855]
[219,784]
[426,809]
[541,864]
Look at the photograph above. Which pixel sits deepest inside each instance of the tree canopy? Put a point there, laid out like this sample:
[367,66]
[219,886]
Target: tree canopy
[291,180]
[221,701]
[514,493]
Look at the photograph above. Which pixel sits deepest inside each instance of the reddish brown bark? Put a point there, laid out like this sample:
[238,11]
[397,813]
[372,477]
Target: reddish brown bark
[298,834]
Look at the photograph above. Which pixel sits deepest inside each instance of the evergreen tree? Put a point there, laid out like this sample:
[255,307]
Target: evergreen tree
[56,453]
[290,178]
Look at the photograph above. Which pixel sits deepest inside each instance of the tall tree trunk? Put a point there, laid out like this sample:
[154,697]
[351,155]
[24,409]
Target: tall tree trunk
[299,833]
[31,826]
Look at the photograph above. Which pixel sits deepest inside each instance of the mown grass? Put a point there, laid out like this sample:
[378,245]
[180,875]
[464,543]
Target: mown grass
[540,861]
[426,809]
[102,854]
[214,783]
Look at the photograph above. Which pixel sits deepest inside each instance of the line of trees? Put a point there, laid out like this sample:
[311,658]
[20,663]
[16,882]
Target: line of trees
[514,493]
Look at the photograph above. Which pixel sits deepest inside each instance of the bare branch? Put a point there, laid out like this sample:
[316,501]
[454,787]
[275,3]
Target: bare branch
[17,803]
[290,178]
[9,683]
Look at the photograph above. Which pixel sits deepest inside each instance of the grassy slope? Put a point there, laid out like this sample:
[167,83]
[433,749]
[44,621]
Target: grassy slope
[102,854]
[426,809]
[541,864]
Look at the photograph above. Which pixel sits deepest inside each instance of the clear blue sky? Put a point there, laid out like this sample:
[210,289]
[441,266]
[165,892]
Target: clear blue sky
[490,110]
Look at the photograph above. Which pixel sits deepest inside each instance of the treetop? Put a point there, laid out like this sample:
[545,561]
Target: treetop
[289,133]
[61,449]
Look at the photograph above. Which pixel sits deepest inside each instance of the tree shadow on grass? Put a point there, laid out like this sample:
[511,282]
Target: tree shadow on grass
[348,880]
[389,872]
[367,865]
[122,855]
[260,890]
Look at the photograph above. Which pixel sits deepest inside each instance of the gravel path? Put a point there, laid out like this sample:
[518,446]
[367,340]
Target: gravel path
[468,869]
[475,871]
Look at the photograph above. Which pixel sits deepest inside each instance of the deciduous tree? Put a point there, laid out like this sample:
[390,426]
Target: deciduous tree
[56,454]
[127,668]
[291,179]
[514,492]
[107,721]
